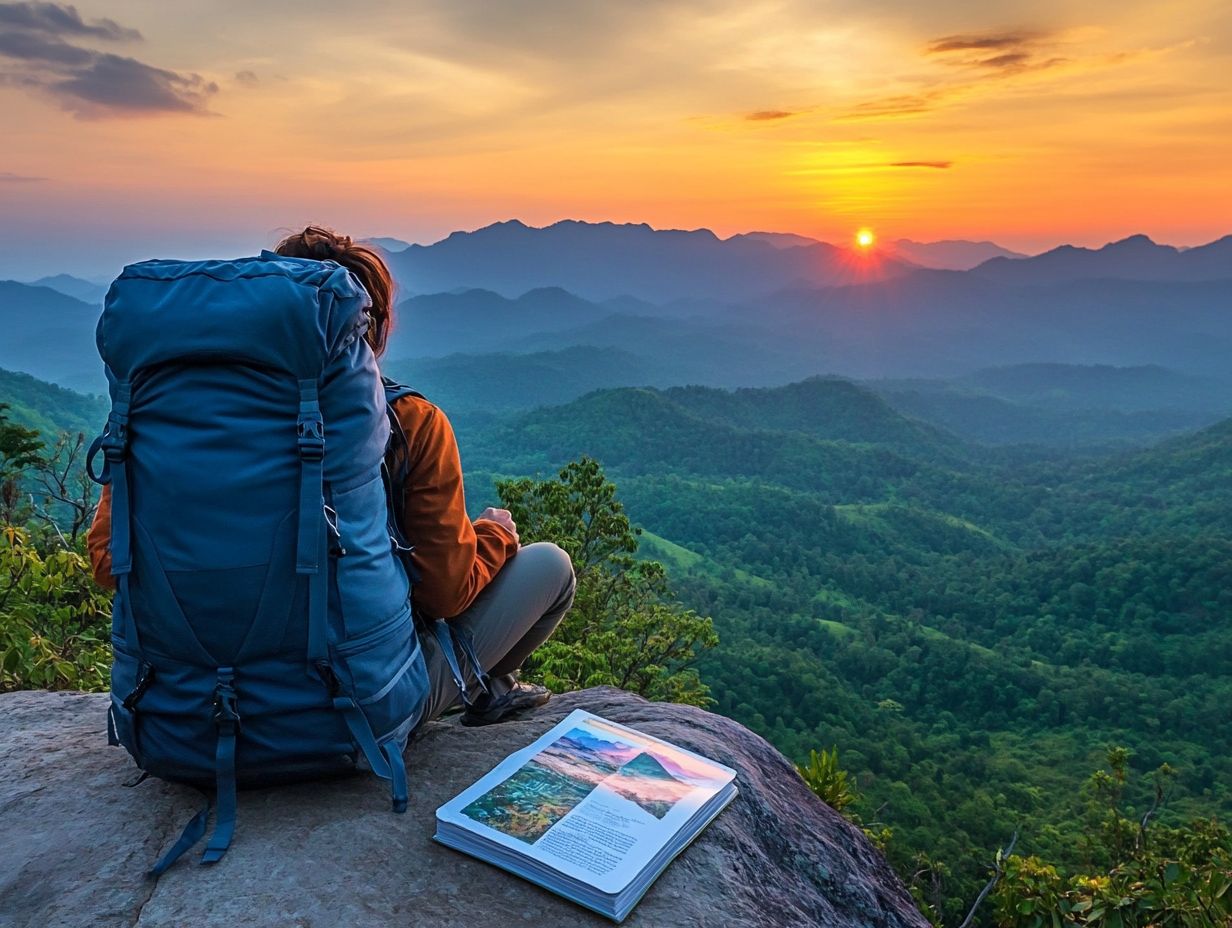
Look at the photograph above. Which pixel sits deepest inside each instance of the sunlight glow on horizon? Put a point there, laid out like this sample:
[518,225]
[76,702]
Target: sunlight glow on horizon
[378,122]
[865,238]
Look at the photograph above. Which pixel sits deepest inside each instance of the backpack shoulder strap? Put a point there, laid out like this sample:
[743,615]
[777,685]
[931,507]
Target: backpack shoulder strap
[395,391]
[394,471]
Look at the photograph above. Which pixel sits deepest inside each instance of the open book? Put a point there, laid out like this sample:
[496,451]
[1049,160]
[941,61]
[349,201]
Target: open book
[592,811]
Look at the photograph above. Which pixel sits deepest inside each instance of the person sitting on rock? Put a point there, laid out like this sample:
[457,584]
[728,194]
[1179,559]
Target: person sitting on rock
[507,597]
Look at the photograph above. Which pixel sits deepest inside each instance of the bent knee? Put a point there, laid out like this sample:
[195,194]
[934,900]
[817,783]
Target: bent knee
[550,558]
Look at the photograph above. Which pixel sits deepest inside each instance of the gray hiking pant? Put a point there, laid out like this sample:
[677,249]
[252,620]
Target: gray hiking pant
[511,616]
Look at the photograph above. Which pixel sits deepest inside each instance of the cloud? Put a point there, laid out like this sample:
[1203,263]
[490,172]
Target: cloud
[953,43]
[116,84]
[1016,51]
[906,104]
[8,177]
[975,62]
[920,164]
[58,19]
[769,115]
[87,82]
[26,46]
[247,78]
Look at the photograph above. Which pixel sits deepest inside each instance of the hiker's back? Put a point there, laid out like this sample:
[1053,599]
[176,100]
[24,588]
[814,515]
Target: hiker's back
[262,621]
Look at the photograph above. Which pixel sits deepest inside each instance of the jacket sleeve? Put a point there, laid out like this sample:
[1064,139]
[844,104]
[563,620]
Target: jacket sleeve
[98,541]
[456,558]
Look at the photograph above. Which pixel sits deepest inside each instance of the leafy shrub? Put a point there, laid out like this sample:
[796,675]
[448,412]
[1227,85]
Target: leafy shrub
[54,622]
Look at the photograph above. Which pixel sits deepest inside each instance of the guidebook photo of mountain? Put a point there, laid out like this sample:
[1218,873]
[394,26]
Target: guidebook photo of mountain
[553,782]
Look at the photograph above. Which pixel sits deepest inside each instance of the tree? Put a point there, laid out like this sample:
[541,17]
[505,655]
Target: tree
[19,451]
[626,628]
[69,495]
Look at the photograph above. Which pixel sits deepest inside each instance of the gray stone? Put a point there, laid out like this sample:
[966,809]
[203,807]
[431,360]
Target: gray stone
[76,841]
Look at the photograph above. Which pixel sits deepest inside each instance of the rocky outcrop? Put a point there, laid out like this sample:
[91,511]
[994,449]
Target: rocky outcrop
[77,841]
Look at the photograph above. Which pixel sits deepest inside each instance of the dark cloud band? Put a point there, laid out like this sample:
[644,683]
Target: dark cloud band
[85,81]
[60,19]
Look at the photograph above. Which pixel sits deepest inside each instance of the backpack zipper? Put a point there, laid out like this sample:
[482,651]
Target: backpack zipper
[145,677]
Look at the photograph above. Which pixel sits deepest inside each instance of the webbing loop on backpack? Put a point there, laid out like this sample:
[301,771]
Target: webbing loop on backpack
[361,731]
[193,832]
[114,443]
[397,779]
[310,439]
[450,640]
[227,721]
[311,543]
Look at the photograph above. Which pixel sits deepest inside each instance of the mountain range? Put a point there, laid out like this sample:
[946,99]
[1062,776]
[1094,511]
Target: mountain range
[509,316]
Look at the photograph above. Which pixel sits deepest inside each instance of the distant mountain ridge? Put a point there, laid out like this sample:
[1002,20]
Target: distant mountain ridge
[950,255]
[85,290]
[603,260]
[50,335]
[1134,258]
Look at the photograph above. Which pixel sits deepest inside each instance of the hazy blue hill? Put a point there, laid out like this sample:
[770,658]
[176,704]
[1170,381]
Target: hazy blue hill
[953,255]
[501,382]
[946,324]
[978,416]
[49,408]
[49,335]
[476,321]
[1102,386]
[603,260]
[388,243]
[1133,258]
[85,290]
[777,239]
[716,352]
[1063,405]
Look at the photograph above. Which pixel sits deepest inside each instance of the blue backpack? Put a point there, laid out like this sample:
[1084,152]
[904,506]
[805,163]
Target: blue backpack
[262,624]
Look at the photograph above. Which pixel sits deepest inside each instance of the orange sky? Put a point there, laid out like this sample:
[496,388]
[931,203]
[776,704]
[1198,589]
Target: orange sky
[139,128]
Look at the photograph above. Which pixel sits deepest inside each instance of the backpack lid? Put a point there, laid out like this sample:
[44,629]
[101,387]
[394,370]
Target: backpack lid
[290,314]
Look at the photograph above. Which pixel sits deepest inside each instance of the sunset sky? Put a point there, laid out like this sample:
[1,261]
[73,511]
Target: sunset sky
[179,129]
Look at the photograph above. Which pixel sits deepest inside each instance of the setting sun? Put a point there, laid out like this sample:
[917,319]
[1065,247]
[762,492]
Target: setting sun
[865,238]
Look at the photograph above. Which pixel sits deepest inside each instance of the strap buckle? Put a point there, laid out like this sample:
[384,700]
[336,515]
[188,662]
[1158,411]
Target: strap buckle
[311,438]
[114,440]
[226,712]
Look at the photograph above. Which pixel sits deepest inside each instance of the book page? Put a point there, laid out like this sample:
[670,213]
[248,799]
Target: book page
[590,798]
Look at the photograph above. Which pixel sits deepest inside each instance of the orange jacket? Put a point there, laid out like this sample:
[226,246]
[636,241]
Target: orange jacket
[456,557]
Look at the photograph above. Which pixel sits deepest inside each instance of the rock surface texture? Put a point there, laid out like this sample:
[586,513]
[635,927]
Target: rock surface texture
[76,841]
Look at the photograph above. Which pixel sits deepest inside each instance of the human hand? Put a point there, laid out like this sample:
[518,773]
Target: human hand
[501,517]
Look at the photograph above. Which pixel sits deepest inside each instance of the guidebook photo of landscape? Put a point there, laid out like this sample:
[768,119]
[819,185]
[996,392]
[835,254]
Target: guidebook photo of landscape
[592,810]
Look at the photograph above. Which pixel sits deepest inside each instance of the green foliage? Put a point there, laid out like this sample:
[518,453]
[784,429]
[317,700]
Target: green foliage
[49,408]
[625,629]
[827,779]
[1152,875]
[54,622]
[19,450]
